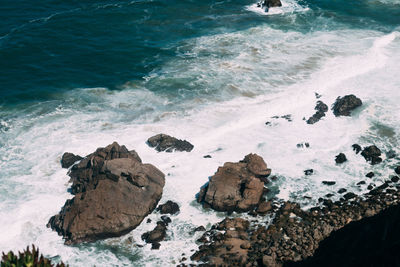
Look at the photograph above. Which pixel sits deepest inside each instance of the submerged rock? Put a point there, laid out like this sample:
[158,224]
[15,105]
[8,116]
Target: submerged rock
[343,106]
[113,191]
[163,142]
[68,159]
[372,154]
[308,171]
[397,169]
[236,186]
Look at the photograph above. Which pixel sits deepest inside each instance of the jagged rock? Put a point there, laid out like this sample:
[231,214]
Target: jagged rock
[340,158]
[361,183]
[68,159]
[156,235]
[372,154]
[356,148]
[168,207]
[343,106]
[321,108]
[236,186]
[328,182]
[113,192]
[163,142]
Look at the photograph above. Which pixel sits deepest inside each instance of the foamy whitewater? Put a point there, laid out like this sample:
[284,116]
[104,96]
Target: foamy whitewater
[231,84]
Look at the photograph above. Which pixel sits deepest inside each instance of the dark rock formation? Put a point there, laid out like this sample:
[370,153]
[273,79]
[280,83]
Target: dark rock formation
[397,169]
[156,235]
[295,234]
[168,207]
[163,142]
[328,182]
[68,159]
[236,186]
[342,190]
[113,192]
[370,174]
[372,241]
[340,158]
[343,106]
[372,154]
[394,179]
[356,148]
[207,157]
[321,108]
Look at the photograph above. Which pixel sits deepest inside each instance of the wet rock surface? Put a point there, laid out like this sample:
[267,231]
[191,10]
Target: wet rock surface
[294,234]
[163,142]
[321,108]
[168,207]
[343,106]
[113,191]
[68,159]
[372,154]
[157,235]
[236,186]
[340,158]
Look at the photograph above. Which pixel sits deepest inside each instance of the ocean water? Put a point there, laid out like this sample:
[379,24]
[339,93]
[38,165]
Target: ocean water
[79,75]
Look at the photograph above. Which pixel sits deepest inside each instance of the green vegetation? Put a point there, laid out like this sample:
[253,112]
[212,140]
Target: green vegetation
[27,258]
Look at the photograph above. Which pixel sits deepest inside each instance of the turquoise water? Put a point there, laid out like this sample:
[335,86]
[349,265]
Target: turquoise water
[79,75]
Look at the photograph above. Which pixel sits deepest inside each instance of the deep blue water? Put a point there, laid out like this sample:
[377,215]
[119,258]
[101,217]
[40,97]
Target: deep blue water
[56,46]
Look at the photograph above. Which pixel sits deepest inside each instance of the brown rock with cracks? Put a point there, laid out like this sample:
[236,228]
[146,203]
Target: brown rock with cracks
[236,186]
[113,191]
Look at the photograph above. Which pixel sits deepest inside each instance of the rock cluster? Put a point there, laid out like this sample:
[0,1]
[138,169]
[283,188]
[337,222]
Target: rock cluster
[293,235]
[372,241]
[236,186]
[343,106]
[114,191]
[163,142]
[321,108]
[156,235]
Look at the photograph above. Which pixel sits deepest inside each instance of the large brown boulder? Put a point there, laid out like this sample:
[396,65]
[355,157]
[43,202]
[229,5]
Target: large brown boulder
[114,191]
[236,186]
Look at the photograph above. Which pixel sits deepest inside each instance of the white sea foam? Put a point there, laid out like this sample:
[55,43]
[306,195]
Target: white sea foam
[252,75]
